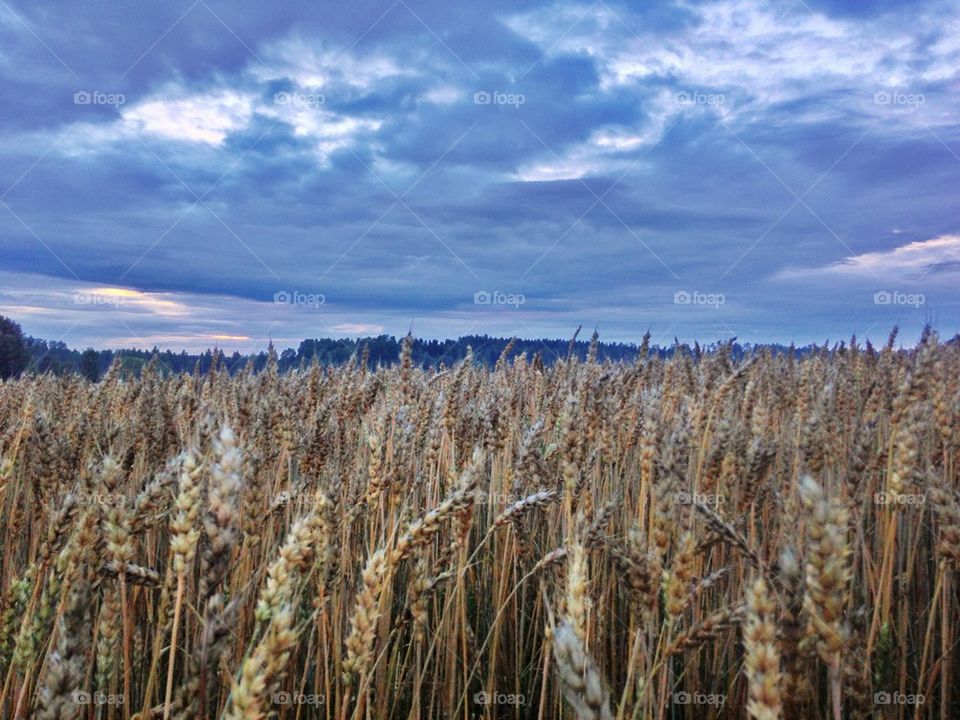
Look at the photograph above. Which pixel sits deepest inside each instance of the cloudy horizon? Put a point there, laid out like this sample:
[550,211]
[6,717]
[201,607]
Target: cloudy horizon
[209,173]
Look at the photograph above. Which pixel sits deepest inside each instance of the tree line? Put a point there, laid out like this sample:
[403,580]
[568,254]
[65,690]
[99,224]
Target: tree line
[21,353]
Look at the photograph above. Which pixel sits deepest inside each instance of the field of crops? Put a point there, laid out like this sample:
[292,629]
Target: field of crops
[687,537]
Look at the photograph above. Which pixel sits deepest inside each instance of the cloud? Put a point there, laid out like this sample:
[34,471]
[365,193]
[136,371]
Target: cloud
[358,329]
[207,118]
[759,56]
[761,151]
[911,262]
[83,313]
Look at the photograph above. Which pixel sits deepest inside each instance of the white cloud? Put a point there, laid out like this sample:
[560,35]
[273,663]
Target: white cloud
[358,329]
[310,120]
[311,64]
[912,262]
[445,95]
[309,70]
[83,313]
[607,149]
[552,169]
[172,114]
[204,117]
[760,54]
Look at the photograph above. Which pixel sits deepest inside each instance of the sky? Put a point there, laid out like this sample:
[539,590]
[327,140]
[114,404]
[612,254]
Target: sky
[196,173]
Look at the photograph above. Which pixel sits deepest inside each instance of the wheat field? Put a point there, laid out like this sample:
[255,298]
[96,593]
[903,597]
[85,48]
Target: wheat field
[692,536]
